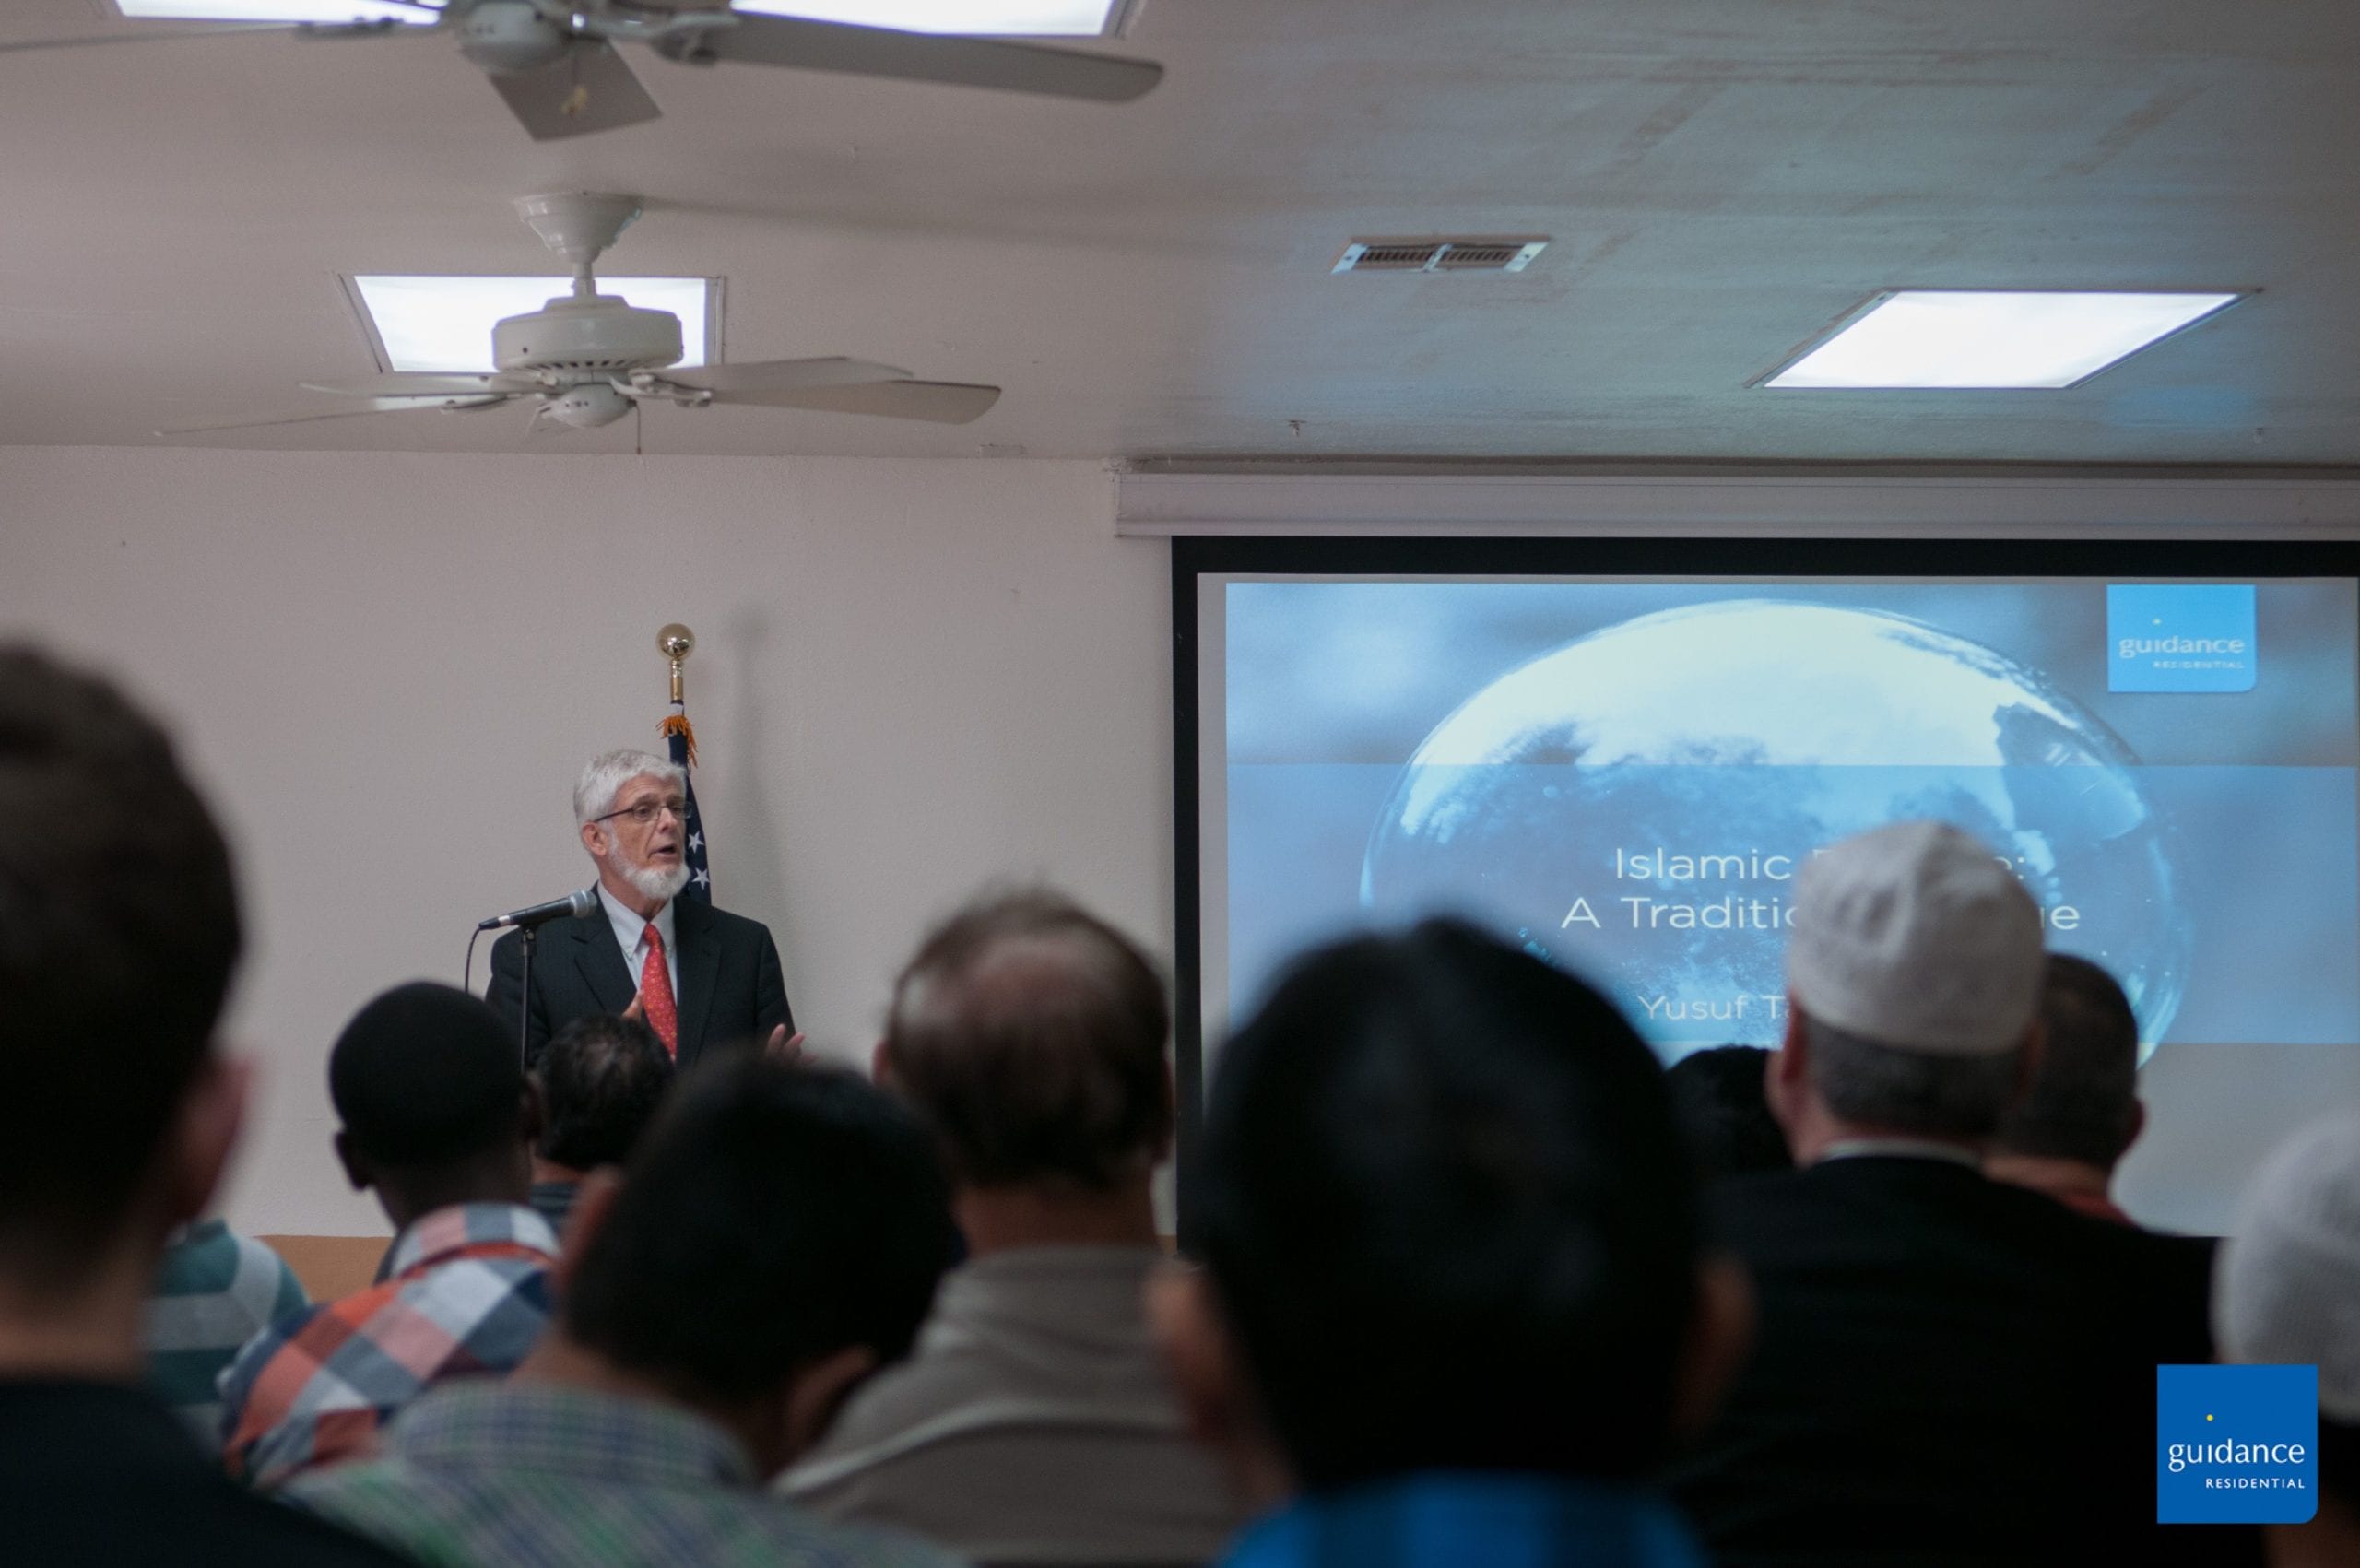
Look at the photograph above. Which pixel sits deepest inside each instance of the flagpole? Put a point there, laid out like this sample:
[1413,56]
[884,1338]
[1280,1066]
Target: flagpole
[676,643]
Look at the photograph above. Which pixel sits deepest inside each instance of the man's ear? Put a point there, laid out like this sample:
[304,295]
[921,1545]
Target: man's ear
[880,1065]
[356,1168]
[813,1396]
[2028,1057]
[531,1112]
[593,1201]
[1719,1338]
[1171,1115]
[593,838]
[204,1131]
[1206,1372]
[1786,1075]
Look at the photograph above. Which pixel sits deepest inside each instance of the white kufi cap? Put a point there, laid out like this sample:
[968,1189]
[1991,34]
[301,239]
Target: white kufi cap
[2286,1288]
[1914,935]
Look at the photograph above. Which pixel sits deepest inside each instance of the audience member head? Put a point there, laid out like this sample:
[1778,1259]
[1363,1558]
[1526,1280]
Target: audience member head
[601,1080]
[1913,982]
[2287,1289]
[1725,1110]
[1029,1035]
[119,928]
[2080,1112]
[1446,1223]
[434,1107]
[775,1237]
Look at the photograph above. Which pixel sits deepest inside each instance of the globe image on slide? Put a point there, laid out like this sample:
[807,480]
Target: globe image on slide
[1635,803]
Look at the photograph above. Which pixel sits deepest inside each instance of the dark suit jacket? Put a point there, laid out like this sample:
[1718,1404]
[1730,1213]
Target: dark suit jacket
[1948,1370]
[730,994]
[102,1477]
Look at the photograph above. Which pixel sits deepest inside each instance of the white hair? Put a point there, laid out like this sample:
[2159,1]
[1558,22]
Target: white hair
[604,779]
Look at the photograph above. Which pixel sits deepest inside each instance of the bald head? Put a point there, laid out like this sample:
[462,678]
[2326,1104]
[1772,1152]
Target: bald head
[1029,1035]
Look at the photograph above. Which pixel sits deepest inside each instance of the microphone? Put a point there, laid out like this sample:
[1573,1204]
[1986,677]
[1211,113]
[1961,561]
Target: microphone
[582,903]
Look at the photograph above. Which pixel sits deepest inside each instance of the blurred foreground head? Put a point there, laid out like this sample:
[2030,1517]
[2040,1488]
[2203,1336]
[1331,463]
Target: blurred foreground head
[776,1236]
[119,927]
[1030,1034]
[2083,1104]
[2288,1291]
[1448,1222]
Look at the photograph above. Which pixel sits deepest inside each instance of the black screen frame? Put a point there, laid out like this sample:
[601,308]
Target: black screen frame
[1195,556]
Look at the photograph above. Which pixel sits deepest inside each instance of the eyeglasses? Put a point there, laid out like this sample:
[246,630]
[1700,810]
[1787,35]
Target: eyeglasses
[647,810]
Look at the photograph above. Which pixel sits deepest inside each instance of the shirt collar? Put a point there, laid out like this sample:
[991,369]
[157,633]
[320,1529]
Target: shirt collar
[630,928]
[480,1425]
[1900,1149]
[463,1228]
[1468,1518]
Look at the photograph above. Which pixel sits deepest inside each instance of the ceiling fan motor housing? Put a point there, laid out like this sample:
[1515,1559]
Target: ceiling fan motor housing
[597,336]
[509,36]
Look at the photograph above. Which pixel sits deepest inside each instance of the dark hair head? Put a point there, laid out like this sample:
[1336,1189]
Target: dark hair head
[2084,1102]
[1447,1214]
[424,1074]
[118,931]
[772,1216]
[1725,1110]
[1897,1090]
[602,1078]
[1029,1035]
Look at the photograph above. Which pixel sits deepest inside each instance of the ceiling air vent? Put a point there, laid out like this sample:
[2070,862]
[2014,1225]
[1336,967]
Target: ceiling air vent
[1488,254]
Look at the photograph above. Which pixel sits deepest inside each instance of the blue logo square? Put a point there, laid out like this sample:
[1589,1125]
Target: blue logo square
[2236,1445]
[2179,637]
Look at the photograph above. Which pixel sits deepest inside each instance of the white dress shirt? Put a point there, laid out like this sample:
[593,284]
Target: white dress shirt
[630,935]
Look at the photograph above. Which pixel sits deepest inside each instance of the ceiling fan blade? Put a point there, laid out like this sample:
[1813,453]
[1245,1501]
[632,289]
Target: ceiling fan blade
[305,417]
[424,384]
[590,89]
[782,375]
[220,29]
[923,57]
[938,402]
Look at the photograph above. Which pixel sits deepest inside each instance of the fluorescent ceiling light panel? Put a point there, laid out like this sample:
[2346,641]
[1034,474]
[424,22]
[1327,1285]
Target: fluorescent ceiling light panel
[269,11]
[1014,18]
[1967,337]
[444,323]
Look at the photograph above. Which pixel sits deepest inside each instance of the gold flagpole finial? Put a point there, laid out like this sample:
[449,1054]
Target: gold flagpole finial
[676,643]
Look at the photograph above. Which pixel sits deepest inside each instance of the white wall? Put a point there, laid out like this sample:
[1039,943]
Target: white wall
[911,677]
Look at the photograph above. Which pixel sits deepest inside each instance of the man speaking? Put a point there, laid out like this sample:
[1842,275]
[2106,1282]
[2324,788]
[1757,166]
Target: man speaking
[702,979]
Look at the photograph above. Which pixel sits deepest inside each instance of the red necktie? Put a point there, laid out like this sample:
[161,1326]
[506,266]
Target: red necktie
[655,993]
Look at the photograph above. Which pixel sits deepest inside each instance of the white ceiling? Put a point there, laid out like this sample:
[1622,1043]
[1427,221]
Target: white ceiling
[1722,178]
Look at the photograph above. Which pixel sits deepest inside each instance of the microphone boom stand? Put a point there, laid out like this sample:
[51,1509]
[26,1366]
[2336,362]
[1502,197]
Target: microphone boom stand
[531,934]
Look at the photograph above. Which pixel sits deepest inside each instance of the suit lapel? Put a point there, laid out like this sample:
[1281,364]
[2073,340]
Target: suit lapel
[700,962]
[601,961]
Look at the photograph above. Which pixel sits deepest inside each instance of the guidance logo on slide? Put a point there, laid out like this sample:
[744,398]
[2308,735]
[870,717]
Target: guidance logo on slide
[2236,1445]
[2179,637]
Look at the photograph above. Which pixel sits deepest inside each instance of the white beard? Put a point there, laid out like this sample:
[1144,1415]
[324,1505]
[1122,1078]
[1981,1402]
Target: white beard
[657,884]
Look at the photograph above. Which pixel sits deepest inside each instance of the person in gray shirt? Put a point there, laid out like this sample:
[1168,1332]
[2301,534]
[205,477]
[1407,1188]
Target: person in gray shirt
[1033,1424]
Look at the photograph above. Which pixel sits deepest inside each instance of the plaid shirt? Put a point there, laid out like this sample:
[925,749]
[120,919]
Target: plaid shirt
[467,1292]
[1470,1520]
[543,1476]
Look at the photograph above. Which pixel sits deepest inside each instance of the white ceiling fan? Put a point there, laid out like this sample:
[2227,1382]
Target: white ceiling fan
[555,65]
[587,359]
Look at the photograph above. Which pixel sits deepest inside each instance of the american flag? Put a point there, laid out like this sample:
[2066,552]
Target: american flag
[682,740]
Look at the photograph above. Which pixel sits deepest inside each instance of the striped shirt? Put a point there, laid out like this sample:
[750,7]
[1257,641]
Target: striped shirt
[467,1292]
[484,1475]
[216,1290]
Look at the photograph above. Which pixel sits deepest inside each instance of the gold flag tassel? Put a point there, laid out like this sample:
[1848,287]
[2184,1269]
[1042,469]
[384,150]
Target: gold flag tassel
[678,724]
